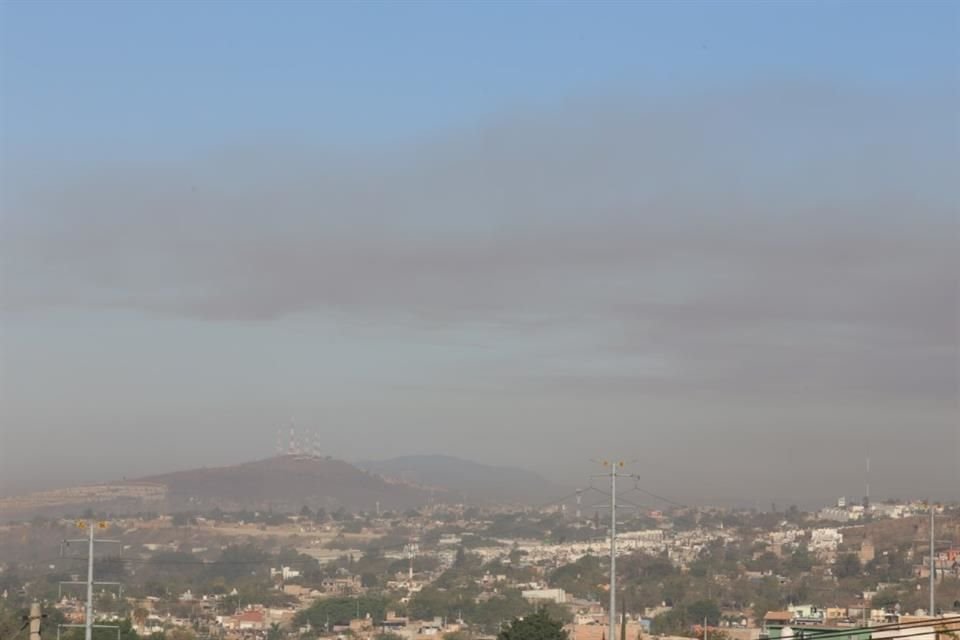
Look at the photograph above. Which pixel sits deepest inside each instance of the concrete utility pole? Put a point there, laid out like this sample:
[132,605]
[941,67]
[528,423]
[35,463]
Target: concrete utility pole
[612,632]
[35,617]
[88,621]
[933,565]
[611,473]
[613,551]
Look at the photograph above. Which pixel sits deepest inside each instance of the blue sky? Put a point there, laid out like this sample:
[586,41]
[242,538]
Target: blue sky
[472,227]
[146,77]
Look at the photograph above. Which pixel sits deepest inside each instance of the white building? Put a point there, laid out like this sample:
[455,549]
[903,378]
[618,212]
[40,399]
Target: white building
[825,540]
[558,596]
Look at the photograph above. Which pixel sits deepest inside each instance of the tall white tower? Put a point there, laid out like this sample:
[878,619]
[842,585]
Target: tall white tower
[292,447]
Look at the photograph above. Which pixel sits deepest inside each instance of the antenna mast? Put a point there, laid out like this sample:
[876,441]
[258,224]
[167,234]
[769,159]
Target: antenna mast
[91,541]
[292,441]
[613,543]
[866,498]
[933,565]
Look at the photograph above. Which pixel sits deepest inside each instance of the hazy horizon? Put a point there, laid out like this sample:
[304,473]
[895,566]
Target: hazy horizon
[718,239]
[563,484]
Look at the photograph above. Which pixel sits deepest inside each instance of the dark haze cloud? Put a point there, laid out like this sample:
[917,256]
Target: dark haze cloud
[785,241]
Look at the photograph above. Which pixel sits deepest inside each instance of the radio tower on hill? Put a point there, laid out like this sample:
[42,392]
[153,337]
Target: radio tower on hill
[292,444]
[411,550]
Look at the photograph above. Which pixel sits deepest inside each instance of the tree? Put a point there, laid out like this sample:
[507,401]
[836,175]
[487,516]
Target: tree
[111,568]
[642,565]
[558,612]
[127,632]
[11,620]
[581,577]
[800,561]
[341,610]
[885,598]
[489,615]
[794,515]
[767,561]
[701,609]
[891,566]
[671,623]
[182,519]
[674,589]
[762,606]
[139,616]
[105,601]
[848,565]
[431,602]
[352,526]
[274,633]
[237,561]
[538,626]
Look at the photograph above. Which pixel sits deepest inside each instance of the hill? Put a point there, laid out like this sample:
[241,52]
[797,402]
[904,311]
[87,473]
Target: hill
[471,481]
[286,483]
[282,483]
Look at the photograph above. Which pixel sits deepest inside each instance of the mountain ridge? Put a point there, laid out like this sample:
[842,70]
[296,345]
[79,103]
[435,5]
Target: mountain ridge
[288,482]
[470,480]
[283,483]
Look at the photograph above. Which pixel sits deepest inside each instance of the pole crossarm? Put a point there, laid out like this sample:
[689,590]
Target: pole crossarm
[90,627]
[95,626]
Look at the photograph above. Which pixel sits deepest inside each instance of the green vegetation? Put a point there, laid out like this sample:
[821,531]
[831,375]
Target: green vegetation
[537,526]
[11,620]
[487,615]
[341,610]
[680,619]
[127,632]
[848,565]
[731,573]
[583,578]
[537,626]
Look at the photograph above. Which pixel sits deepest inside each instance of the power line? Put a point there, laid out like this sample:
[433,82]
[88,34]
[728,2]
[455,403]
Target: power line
[880,627]
[567,497]
[207,563]
[153,560]
[654,495]
[20,630]
[580,492]
[853,631]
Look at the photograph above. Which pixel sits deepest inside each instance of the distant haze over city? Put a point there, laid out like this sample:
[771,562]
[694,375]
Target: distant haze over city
[534,237]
